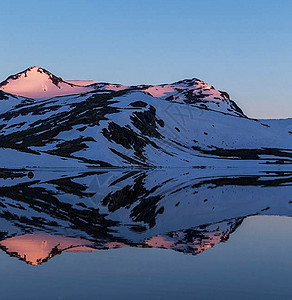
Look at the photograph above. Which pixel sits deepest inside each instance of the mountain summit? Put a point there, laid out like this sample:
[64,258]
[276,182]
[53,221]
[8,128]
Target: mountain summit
[36,82]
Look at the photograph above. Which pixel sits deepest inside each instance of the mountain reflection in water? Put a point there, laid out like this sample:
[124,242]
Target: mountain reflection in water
[44,213]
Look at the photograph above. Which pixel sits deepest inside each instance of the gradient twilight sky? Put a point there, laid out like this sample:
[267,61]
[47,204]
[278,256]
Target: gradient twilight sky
[241,46]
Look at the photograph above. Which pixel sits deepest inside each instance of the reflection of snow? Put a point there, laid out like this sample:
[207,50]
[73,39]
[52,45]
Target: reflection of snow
[159,242]
[37,248]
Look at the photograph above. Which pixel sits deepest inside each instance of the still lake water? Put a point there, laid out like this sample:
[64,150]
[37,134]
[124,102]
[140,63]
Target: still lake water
[146,235]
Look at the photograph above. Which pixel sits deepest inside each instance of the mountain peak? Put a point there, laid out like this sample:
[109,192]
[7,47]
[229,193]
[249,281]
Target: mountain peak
[34,68]
[38,69]
[37,82]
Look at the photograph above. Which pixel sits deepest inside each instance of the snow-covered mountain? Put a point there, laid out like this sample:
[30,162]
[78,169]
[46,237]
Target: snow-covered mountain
[183,124]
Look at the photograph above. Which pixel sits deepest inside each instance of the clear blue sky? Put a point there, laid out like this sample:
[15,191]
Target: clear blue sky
[243,47]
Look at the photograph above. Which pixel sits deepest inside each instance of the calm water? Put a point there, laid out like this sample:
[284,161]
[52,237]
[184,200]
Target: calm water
[145,235]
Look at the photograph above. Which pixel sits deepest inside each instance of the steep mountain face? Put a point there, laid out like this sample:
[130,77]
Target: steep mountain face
[36,82]
[187,123]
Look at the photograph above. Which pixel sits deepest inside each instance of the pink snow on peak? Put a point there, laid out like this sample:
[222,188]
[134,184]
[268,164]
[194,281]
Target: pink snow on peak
[178,90]
[81,82]
[38,83]
[160,91]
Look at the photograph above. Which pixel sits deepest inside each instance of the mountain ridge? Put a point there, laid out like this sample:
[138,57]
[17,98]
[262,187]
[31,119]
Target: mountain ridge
[189,91]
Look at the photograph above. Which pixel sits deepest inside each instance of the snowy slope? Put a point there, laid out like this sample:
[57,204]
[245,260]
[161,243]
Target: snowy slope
[131,128]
